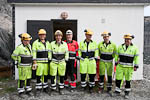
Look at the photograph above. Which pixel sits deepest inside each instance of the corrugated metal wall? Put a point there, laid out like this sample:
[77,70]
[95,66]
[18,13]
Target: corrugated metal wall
[147,40]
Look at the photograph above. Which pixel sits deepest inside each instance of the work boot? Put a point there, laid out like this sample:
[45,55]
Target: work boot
[91,90]
[61,91]
[38,91]
[126,95]
[45,90]
[83,89]
[71,90]
[116,93]
[100,90]
[29,93]
[109,91]
[51,91]
[21,91]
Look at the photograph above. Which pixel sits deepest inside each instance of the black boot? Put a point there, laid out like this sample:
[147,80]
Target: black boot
[91,90]
[109,91]
[83,89]
[126,95]
[72,90]
[116,93]
[29,93]
[61,91]
[100,90]
[45,90]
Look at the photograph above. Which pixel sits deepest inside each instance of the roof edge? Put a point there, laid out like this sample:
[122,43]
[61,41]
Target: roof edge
[83,4]
[78,1]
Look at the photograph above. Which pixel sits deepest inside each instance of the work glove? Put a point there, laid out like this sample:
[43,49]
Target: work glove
[97,58]
[49,61]
[135,68]
[116,63]
[77,58]
[34,66]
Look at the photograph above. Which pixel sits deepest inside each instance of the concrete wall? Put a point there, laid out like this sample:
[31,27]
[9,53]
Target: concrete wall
[116,19]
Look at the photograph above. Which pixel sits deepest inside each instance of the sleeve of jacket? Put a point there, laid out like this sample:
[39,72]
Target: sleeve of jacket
[99,52]
[77,48]
[34,50]
[66,52]
[117,55]
[49,51]
[115,51]
[136,57]
[15,54]
[96,51]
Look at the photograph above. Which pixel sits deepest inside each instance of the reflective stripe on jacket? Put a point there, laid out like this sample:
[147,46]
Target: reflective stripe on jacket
[91,52]
[41,52]
[23,55]
[59,52]
[107,52]
[127,57]
[73,49]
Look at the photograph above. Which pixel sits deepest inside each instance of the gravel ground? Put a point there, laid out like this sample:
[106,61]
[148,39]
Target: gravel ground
[140,91]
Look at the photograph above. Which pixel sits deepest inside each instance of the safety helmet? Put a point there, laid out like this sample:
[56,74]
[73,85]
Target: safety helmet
[128,36]
[25,36]
[42,31]
[58,32]
[88,31]
[106,33]
[69,32]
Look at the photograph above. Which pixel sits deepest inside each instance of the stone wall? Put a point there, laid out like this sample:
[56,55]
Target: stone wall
[147,40]
[6,43]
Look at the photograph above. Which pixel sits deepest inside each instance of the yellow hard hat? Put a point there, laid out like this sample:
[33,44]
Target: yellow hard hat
[59,32]
[106,33]
[42,31]
[128,36]
[88,31]
[25,36]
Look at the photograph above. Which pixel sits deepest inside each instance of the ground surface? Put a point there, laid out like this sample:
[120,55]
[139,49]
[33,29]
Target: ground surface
[140,91]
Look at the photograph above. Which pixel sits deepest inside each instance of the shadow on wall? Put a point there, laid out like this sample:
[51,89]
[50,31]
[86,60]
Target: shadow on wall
[6,47]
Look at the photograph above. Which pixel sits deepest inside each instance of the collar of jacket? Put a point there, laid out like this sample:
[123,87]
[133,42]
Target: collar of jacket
[25,45]
[70,41]
[85,41]
[108,43]
[129,45]
[56,42]
[40,40]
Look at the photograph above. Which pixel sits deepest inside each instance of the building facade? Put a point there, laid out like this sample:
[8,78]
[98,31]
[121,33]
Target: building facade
[117,16]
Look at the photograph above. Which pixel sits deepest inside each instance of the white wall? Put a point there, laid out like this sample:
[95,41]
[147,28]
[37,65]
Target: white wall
[147,11]
[116,19]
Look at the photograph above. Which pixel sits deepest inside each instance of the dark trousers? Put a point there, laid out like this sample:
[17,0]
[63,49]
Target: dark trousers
[70,70]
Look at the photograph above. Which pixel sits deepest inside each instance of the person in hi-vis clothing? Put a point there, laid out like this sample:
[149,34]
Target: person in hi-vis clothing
[41,56]
[23,55]
[127,61]
[60,54]
[88,54]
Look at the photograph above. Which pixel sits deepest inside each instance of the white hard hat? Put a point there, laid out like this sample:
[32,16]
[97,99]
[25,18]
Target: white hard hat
[69,32]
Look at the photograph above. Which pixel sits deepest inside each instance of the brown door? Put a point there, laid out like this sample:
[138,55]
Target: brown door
[64,25]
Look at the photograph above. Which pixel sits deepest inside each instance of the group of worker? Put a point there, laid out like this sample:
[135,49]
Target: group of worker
[59,59]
